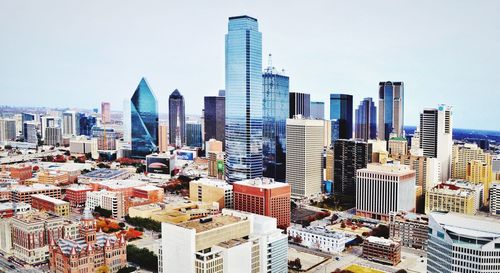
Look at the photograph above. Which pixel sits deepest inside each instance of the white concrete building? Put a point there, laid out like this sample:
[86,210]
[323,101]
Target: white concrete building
[463,244]
[304,155]
[70,123]
[320,238]
[381,189]
[82,145]
[495,199]
[112,201]
[7,129]
[232,242]
[436,129]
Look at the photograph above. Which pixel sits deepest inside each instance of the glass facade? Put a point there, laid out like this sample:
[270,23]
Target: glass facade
[391,109]
[275,114]
[243,99]
[366,120]
[86,124]
[214,117]
[317,110]
[176,112]
[341,110]
[144,121]
[193,134]
[300,104]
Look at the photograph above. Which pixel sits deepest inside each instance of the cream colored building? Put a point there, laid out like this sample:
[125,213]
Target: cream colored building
[212,190]
[462,154]
[454,196]
[398,146]
[163,138]
[480,172]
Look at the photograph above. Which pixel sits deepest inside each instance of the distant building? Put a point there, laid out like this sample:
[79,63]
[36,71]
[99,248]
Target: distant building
[349,156]
[459,243]
[71,123]
[382,250]
[46,203]
[212,190]
[214,117]
[76,195]
[144,121]
[462,154]
[265,197]
[341,111]
[87,123]
[7,129]
[30,134]
[300,104]
[480,172]
[454,196]
[398,146]
[163,138]
[88,252]
[381,189]
[495,199]
[366,120]
[409,229]
[317,110]
[275,113]
[320,238]
[216,164]
[390,109]
[82,145]
[24,193]
[213,145]
[176,114]
[106,138]
[230,242]
[304,172]
[436,136]
[53,136]
[32,233]
[106,112]
[194,134]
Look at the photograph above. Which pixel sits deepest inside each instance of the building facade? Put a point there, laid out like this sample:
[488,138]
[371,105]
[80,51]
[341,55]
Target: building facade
[300,104]
[194,134]
[366,120]
[105,112]
[349,156]
[390,109]
[495,199]
[46,203]
[275,113]
[215,117]
[382,250]
[144,120]
[317,110]
[176,118]
[212,190]
[454,196]
[244,96]
[341,111]
[409,229]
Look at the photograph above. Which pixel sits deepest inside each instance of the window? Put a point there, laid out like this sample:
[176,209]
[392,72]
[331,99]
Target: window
[440,234]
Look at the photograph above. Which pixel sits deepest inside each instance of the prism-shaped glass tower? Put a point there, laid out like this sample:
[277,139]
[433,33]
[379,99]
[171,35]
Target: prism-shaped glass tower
[144,121]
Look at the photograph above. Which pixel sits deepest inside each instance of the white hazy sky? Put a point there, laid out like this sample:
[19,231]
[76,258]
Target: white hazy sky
[79,53]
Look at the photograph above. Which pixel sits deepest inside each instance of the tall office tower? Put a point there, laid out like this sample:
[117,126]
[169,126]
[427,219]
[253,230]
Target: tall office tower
[479,172]
[381,189]
[329,164]
[462,154]
[341,110]
[436,136]
[144,121]
[334,130]
[300,104]
[327,131]
[29,130]
[495,199]
[275,113]
[244,98]
[53,136]
[106,138]
[366,120]
[87,123]
[163,138]
[317,110]
[26,117]
[71,123]
[48,121]
[215,117]
[230,242]
[265,197]
[304,156]
[415,144]
[105,112]
[126,121]
[193,134]
[349,156]
[390,109]
[7,129]
[459,243]
[176,114]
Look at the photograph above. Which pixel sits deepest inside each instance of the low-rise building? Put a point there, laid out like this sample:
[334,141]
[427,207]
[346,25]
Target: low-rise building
[24,193]
[53,177]
[102,175]
[320,238]
[382,250]
[212,190]
[76,195]
[112,201]
[151,193]
[454,196]
[409,229]
[10,209]
[47,203]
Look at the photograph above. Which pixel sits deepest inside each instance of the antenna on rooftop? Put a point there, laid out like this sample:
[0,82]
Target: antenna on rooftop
[270,61]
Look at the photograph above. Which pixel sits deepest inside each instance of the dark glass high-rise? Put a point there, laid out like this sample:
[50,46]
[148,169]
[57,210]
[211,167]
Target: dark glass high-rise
[214,117]
[366,120]
[341,110]
[176,112]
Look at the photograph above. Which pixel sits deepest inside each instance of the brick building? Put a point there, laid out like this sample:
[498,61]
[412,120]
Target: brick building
[410,229]
[382,250]
[21,171]
[24,193]
[77,195]
[265,197]
[46,203]
[89,252]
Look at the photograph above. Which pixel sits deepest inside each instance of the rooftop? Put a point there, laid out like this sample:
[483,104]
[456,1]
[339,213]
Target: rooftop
[399,169]
[380,241]
[321,230]
[148,188]
[474,226]
[121,184]
[34,187]
[105,173]
[262,182]
[215,222]
[218,183]
[49,199]
[10,205]
[34,216]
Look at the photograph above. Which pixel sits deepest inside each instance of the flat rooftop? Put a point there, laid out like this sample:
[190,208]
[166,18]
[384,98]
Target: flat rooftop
[264,183]
[217,222]
[49,199]
[148,188]
[474,226]
[218,183]
[121,184]
[105,173]
[34,187]
[380,241]
[35,216]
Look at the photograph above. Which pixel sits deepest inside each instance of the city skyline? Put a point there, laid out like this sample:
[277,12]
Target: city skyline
[98,74]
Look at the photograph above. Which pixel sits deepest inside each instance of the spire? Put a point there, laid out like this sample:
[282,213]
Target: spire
[52,243]
[270,60]
[73,251]
[122,240]
[87,214]
[89,247]
[108,243]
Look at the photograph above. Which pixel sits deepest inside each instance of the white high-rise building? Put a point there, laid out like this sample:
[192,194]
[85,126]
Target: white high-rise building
[231,242]
[384,188]
[463,244]
[7,129]
[436,136]
[71,124]
[48,122]
[304,155]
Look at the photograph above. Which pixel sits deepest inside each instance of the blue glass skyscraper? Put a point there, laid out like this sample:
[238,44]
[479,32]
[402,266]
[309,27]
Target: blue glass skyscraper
[275,113]
[144,118]
[243,99]
[390,109]
[366,120]
[87,123]
[193,134]
[341,110]
[317,110]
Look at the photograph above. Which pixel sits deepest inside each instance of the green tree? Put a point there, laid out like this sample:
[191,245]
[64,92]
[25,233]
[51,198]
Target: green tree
[143,257]
[103,212]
